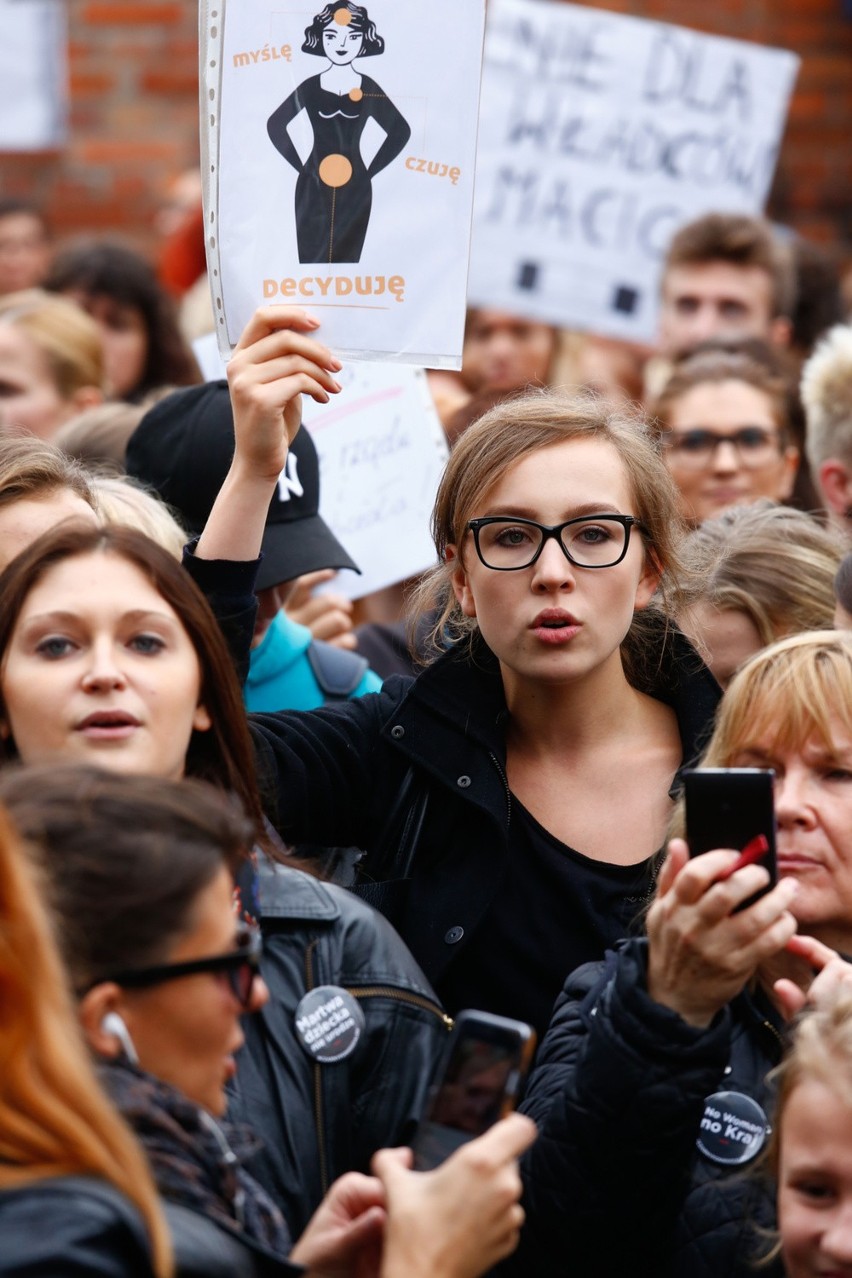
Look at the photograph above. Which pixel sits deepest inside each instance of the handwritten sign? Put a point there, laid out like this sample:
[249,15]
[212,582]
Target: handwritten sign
[601,134]
[339,149]
[33,75]
[382,452]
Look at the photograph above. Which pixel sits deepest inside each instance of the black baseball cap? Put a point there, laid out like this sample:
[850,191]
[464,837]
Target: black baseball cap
[183,448]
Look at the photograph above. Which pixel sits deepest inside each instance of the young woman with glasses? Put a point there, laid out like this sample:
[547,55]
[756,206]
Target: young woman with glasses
[725,433]
[140,875]
[534,758]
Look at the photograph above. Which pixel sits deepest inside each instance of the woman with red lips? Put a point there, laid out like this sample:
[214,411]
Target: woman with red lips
[558,549]
[681,1029]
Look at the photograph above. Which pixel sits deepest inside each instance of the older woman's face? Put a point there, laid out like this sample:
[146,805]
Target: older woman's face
[813,807]
[22,522]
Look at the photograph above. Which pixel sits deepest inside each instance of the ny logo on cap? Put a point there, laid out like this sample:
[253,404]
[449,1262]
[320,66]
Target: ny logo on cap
[289,483]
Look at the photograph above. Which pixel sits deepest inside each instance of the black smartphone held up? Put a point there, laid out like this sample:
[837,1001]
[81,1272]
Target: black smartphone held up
[478,1083]
[733,808]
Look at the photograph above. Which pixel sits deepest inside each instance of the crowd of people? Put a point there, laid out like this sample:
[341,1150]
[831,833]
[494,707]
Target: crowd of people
[227,793]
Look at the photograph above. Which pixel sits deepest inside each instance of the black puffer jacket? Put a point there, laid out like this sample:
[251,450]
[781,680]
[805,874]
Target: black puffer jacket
[320,1120]
[615,1183]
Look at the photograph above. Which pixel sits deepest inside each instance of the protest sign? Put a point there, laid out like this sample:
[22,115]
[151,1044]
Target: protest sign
[33,75]
[339,147]
[381,451]
[601,134]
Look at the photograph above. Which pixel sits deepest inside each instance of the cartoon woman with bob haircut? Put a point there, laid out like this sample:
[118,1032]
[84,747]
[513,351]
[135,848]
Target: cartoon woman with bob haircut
[334,189]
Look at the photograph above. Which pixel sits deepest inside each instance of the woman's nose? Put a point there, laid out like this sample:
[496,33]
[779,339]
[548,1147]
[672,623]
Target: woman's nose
[103,668]
[791,805]
[553,566]
[725,456]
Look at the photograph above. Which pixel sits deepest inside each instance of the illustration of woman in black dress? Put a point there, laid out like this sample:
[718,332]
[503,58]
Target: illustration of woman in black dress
[334,192]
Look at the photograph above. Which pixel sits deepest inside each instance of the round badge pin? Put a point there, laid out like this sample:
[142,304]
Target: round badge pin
[329,1024]
[734,1129]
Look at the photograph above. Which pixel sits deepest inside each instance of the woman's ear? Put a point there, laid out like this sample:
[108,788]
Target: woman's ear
[460,583]
[86,397]
[94,1009]
[201,720]
[649,581]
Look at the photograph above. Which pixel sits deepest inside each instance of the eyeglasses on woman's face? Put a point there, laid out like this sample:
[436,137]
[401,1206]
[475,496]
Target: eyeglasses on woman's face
[240,967]
[755,446]
[588,541]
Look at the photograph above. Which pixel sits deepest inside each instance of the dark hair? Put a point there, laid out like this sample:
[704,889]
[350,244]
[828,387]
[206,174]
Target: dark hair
[739,240]
[223,755]
[714,365]
[125,858]
[359,21]
[13,206]
[114,271]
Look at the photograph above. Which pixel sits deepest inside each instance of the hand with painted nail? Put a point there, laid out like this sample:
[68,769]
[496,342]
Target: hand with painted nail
[702,949]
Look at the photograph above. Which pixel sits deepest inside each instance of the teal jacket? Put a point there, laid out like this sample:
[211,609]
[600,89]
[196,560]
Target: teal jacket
[290,670]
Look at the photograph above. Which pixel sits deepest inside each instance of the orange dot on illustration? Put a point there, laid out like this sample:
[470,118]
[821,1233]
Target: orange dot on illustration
[342,17]
[356,94]
[335,170]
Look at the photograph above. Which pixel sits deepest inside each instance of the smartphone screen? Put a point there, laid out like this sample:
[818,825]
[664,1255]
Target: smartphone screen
[727,808]
[479,1083]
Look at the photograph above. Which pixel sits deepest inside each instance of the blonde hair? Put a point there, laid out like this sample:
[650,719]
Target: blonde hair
[774,564]
[513,430]
[68,339]
[54,1118]
[826,390]
[32,469]
[787,693]
[711,367]
[120,500]
[99,436]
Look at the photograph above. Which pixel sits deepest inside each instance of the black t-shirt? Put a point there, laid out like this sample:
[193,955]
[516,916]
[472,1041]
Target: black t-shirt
[554,910]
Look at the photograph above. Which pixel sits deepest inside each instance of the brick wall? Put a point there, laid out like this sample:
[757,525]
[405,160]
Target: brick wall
[134,109]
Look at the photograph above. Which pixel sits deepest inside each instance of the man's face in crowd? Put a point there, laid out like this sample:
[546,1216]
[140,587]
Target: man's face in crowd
[717,299]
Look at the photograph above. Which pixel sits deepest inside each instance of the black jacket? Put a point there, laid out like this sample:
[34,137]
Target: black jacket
[320,1120]
[615,1183]
[331,776]
[71,1227]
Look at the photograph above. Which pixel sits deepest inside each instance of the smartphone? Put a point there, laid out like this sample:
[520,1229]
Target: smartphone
[479,1081]
[728,808]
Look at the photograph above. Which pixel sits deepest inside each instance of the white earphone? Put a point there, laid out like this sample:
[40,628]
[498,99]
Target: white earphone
[114,1024]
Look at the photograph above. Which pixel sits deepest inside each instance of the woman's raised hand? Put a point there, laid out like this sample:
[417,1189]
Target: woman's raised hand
[462,1218]
[700,953]
[831,971]
[275,362]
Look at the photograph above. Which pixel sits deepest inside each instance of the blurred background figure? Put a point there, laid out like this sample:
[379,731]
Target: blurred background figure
[827,397]
[760,572]
[725,431]
[24,246]
[143,346]
[51,363]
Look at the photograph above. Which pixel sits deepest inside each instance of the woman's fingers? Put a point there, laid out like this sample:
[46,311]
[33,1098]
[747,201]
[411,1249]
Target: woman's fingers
[271,319]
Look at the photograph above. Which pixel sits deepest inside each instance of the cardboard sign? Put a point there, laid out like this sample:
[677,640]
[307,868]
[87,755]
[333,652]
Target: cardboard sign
[33,75]
[382,452]
[601,134]
[339,147]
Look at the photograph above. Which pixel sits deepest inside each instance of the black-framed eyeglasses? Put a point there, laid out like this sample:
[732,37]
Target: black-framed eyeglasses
[754,445]
[240,966]
[589,541]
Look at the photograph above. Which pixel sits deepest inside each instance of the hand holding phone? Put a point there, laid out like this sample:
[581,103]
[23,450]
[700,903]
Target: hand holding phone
[478,1083]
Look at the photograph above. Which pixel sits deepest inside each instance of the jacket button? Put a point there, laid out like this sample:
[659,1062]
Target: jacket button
[454,935]
[397,732]
[463,783]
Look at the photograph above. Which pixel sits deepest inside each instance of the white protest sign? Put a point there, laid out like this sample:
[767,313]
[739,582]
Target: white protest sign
[601,134]
[382,451]
[339,146]
[33,75]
